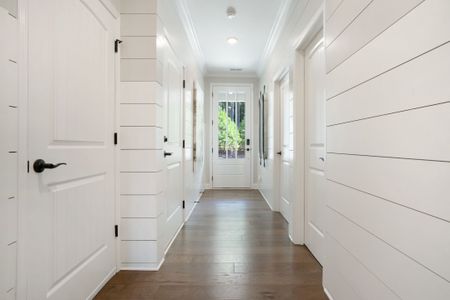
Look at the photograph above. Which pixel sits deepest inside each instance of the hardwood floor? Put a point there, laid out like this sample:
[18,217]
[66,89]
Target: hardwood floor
[233,247]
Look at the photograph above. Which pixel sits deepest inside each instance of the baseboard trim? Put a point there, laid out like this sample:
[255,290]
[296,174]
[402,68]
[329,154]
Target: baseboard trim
[196,201]
[327,293]
[103,283]
[265,199]
[142,266]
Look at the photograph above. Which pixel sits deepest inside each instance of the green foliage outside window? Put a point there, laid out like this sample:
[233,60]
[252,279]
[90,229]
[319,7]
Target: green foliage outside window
[230,139]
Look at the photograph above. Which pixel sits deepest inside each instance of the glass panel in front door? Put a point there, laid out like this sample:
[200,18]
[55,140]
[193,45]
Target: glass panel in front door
[231,128]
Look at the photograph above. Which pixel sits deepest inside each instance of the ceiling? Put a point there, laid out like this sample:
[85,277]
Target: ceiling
[255,26]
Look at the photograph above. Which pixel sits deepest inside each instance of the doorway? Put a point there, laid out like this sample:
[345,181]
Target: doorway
[231,136]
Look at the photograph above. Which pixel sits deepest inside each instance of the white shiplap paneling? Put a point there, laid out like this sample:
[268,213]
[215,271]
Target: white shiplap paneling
[387,164]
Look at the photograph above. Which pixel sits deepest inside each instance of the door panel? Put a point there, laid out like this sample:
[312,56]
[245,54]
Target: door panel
[70,210]
[287,147]
[231,137]
[315,147]
[173,107]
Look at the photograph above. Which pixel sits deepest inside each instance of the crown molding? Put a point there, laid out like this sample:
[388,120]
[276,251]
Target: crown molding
[275,33]
[186,20]
[246,75]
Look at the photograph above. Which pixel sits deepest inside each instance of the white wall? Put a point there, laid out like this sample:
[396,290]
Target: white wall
[281,59]
[388,168]
[8,148]
[149,29]
[174,29]
[208,127]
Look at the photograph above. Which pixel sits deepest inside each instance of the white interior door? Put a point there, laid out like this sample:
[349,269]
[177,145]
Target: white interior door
[315,146]
[231,137]
[287,147]
[173,147]
[69,213]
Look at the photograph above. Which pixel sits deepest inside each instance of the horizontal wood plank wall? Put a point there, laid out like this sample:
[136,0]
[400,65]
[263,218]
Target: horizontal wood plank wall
[8,148]
[388,149]
[140,136]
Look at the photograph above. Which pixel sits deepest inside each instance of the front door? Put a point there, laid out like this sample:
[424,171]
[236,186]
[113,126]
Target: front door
[315,147]
[69,211]
[231,137]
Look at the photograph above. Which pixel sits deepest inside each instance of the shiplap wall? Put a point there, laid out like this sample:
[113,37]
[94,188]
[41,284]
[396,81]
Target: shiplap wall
[8,148]
[152,34]
[140,136]
[388,144]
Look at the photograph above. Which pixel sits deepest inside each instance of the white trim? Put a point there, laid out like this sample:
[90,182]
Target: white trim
[211,138]
[275,33]
[327,293]
[110,8]
[103,283]
[314,26]
[297,224]
[22,193]
[142,266]
[186,20]
[234,75]
[188,216]
[265,199]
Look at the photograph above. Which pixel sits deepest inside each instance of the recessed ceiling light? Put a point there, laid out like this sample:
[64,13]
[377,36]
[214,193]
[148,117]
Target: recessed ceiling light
[231,12]
[232,40]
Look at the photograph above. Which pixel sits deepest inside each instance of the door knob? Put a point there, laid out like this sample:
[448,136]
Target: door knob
[322,159]
[167,153]
[40,165]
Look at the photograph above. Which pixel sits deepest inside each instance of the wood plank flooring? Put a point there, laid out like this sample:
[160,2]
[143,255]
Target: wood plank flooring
[233,247]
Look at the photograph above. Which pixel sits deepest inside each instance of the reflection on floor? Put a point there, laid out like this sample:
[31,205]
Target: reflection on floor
[233,247]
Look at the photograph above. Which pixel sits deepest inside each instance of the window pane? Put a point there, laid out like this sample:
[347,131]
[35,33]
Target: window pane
[222,129]
[233,132]
[241,129]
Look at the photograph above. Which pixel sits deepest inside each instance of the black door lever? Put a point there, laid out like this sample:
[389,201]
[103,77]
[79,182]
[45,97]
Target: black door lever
[167,153]
[40,165]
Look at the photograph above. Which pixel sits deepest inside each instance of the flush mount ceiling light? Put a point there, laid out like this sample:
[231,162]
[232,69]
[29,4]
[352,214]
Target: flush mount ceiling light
[231,12]
[232,40]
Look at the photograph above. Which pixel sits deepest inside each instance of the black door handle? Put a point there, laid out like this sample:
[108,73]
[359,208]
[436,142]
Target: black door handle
[167,153]
[40,165]
[279,152]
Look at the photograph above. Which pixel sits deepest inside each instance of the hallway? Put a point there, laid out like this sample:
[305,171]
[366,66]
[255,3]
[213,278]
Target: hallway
[232,247]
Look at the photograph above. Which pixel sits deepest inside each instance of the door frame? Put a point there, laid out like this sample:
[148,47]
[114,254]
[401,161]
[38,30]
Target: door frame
[211,134]
[23,157]
[297,75]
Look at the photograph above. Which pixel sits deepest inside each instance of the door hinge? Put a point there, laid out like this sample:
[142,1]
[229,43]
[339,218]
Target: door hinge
[116,138]
[212,150]
[184,144]
[116,45]
[212,178]
[116,230]
[184,84]
[28,166]
[184,204]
